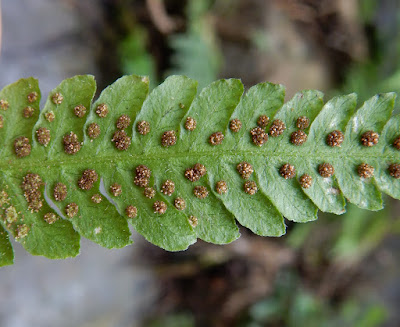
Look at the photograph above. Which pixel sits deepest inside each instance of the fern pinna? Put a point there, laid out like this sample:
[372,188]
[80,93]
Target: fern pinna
[179,165]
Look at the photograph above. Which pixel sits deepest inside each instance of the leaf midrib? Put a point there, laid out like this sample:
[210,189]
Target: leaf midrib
[285,155]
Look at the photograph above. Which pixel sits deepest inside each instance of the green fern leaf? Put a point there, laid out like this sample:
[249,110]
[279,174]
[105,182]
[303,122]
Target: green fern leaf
[177,166]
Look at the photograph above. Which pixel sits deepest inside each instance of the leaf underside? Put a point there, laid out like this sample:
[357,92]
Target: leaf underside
[99,208]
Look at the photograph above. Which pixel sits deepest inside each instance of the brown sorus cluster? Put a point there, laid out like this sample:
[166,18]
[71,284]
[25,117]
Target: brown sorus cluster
[28,112]
[369,138]
[305,181]
[80,111]
[149,192]
[57,98]
[200,192]
[32,97]
[396,143]
[60,192]
[216,138]
[71,210]
[22,147]
[71,143]
[123,122]
[250,187]
[335,138]
[142,177]
[89,177]
[1,121]
[50,218]
[258,136]
[298,137]
[168,138]
[302,122]
[121,140]
[168,187]
[277,128]
[96,198]
[31,186]
[159,207]
[365,171]
[116,189]
[193,221]
[102,110]
[287,171]
[394,170]
[326,170]
[190,124]
[221,187]
[244,169]
[143,127]
[93,131]
[180,203]
[131,211]
[43,136]
[235,125]
[50,116]
[196,172]
[21,231]
[4,104]
[263,121]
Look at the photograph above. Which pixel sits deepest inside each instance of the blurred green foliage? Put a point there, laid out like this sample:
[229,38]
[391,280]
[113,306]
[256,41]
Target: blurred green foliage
[292,306]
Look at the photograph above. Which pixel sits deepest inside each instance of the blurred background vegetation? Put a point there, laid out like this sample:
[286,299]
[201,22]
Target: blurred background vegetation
[338,271]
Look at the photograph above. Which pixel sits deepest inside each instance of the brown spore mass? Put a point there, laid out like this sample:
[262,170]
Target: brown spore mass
[180,203]
[71,143]
[369,138]
[22,147]
[168,187]
[298,137]
[305,181]
[32,97]
[277,128]
[57,98]
[131,211]
[168,139]
[250,187]
[43,136]
[394,170]
[28,112]
[89,177]
[200,192]
[93,131]
[244,169]
[302,122]
[143,127]
[116,189]
[235,125]
[326,170]
[335,138]
[287,171]
[216,138]
[60,192]
[123,122]
[190,124]
[263,121]
[121,140]
[221,187]
[80,111]
[102,110]
[71,210]
[160,207]
[258,136]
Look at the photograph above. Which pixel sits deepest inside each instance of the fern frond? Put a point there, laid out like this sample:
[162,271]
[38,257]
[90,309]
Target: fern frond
[180,166]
